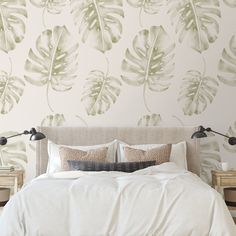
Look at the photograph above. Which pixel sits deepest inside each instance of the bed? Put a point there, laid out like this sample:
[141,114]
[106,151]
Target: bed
[160,200]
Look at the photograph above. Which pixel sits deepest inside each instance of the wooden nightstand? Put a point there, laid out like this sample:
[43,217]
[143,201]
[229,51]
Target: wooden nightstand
[12,179]
[221,179]
[224,179]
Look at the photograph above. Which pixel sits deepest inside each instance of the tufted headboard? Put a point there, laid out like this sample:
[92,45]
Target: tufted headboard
[131,135]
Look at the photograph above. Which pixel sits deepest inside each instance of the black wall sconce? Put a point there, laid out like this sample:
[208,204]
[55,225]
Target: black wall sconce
[34,136]
[201,134]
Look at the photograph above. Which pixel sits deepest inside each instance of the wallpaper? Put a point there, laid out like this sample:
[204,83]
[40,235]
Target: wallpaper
[117,63]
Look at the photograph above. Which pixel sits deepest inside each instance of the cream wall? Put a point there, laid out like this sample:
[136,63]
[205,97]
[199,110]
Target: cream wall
[182,64]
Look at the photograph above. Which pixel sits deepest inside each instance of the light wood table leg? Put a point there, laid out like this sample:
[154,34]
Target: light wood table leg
[15,185]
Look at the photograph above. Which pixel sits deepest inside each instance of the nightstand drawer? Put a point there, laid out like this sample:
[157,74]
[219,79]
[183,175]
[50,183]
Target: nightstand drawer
[228,181]
[7,181]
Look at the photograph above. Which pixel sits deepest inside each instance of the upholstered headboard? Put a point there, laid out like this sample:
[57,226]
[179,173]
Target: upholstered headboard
[132,135]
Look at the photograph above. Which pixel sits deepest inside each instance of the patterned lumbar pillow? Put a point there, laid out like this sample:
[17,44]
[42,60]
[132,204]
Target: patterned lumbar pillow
[76,154]
[159,154]
[108,166]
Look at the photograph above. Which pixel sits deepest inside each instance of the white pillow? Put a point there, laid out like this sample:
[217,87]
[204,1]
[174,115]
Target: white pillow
[178,152]
[54,161]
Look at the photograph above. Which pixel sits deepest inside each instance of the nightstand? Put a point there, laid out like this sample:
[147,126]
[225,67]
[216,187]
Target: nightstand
[221,179]
[225,179]
[12,179]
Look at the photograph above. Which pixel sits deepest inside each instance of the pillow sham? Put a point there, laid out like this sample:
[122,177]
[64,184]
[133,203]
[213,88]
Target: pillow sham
[159,154]
[54,161]
[76,154]
[178,153]
[108,166]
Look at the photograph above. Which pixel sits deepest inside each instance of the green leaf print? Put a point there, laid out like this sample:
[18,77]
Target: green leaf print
[196,92]
[51,6]
[54,62]
[150,64]
[11,89]
[100,92]
[150,120]
[227,64]
[210,157]
[196,21]
[12,26]
[53,120]
[98,22]
[230,3]
[14,152]
[150,7]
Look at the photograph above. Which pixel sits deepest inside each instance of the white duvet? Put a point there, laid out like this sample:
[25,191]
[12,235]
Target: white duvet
[161,200]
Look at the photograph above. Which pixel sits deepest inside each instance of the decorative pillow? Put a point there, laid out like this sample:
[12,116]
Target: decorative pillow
[54,161]
[107,166]
[159,154]
[178,153]
[75,154]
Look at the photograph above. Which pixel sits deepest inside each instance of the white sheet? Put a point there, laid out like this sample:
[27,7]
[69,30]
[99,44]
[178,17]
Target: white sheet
[159,201]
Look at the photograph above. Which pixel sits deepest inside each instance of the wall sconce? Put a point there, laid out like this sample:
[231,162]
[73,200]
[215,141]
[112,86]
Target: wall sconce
[201,134]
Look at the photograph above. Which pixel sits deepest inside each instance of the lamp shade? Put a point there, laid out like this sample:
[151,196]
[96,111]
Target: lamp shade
[36,135]
[199,134]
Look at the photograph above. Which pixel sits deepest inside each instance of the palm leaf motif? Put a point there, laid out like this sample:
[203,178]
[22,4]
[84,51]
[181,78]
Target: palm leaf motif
[98,21]
[150,64]
[150,7]
[14,152]
[196,92]
[150,120]
[230,3]
[231,133]
[51,6]
[54,63]
[227,64]
[12,26]
[210,157]
[11,89]
[100,92]
[196,20]
[53,120]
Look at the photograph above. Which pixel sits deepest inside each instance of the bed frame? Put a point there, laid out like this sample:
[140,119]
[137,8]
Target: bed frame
[131,135]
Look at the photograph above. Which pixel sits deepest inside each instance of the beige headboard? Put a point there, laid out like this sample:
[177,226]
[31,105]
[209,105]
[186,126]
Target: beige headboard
[131,135]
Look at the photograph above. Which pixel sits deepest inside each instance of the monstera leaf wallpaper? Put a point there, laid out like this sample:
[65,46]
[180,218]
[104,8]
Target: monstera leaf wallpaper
[117,63]
[13,15]
[11,89]
[100,92]
[151,64]
[197,91]
[196,21]
[98,22]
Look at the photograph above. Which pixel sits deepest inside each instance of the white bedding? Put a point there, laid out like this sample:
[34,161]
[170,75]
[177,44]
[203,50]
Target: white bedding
[161,200]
